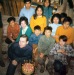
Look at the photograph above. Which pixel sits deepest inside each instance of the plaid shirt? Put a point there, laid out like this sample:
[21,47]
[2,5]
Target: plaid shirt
[60,56]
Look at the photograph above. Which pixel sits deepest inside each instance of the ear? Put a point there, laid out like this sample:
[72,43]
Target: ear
[27,42]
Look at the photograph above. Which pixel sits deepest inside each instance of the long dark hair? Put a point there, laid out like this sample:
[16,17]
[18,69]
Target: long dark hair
[35,15]
[70,2]
[49,2]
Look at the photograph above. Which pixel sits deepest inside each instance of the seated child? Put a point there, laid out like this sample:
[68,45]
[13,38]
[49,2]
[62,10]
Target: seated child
[60,51]
[34,38]
[45,44]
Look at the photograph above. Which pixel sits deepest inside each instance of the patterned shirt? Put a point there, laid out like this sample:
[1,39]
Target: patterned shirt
[62,57]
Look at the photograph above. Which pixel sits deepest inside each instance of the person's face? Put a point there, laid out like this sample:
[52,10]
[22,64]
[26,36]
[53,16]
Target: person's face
[55,20]
[12,23]
[23,24]
[39,12]
[46,3]
[27,5]
[66,25]
[61,42]
[22,42]
[47,33]
[37,32]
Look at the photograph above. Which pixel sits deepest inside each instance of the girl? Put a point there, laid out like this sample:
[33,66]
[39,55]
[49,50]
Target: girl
[38,19]
[47,9]
[56,19]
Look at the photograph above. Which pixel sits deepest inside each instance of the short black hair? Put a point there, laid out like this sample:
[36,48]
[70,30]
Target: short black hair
[27,1]
[67,19]
[24,36]
[47,28]
[23,18]
[63,37]
[63,15]
[37,27]
[56,15]
[11,19]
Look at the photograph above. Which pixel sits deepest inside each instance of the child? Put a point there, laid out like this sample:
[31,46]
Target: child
[45,44]
[60,51]
[25,29]
[56,19]
[47,9]
[34,38]
[12,30]
[38,19]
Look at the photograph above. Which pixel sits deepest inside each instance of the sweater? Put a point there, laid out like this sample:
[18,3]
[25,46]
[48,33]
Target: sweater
[41,21]
[68,32]
[28,33]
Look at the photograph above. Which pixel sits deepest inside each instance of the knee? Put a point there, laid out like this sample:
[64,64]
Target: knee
[14,62]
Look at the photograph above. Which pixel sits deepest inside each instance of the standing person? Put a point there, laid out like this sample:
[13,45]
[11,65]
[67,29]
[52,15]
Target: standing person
[38,19]
[1,28]
[24,29]
[66,30]
[47,9]
[27,11]
[56,20]
[60,52]
[13,30]
[18,52]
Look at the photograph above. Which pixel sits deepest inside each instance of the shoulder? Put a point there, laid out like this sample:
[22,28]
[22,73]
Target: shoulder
[23,9]
[28,47]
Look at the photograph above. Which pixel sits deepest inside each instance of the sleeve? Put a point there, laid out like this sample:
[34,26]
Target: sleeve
[70,40]
[11,53]
[32,23]
[21,13]
[9,34]
[40,45]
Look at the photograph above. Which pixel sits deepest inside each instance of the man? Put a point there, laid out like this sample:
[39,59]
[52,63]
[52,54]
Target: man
[27,11]
[18,52]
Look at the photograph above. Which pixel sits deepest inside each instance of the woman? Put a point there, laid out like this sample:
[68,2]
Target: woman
[24,29]
[38,19]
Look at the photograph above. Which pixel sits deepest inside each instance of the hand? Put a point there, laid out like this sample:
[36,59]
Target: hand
[61,51]
[13,40]
[14,62]
[41,55]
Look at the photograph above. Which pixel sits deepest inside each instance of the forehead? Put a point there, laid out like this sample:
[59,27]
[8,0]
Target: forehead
[47,30]
[22,39]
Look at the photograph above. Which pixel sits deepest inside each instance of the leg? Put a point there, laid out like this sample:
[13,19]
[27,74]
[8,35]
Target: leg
[11,68]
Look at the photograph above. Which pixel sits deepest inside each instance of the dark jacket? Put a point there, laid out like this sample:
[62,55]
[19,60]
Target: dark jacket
[1,24]
[19,54]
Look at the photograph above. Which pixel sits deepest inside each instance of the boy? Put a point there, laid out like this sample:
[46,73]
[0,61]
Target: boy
[60,51]
[27,11]
[45,44]
[34,38]
[18,52]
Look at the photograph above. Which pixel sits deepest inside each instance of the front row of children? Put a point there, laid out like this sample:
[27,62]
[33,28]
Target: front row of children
[18,52]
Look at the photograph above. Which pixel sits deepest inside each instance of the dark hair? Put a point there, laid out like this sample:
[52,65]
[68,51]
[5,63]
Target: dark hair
[63,15]
[56,15]
[11,19]
[67,19]
[27,1]
[37,27]
[63,37]
[47,28]
[24,36]
[23,18]
[48,1]
[39,6]
[1,2]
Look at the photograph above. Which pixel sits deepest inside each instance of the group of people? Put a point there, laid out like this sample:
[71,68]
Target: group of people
[52,39]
